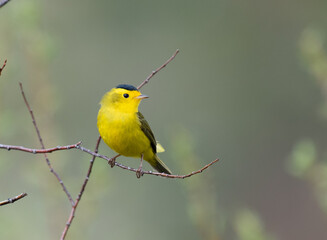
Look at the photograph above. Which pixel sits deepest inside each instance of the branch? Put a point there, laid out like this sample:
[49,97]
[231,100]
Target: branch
[42,145]
[12,200]
[72,213]
[3,2]
[157,70]
[36,151]
[95,154]
[3,66]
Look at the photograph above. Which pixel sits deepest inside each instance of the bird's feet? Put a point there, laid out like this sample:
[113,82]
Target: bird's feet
[139,172]
[112,161]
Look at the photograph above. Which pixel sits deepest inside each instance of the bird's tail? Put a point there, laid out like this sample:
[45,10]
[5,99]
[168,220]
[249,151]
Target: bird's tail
[159,165]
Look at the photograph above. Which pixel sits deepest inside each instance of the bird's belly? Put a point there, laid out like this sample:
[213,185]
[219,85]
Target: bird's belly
[124,137]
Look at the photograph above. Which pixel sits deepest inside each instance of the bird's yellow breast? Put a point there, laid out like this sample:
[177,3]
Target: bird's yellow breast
[122,133]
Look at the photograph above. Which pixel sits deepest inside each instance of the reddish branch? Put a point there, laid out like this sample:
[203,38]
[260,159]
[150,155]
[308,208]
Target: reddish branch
[72,212]
[3,66]
[12,200]
[169,175]
[157,70]
[35,151]
[42,145]
[95,154]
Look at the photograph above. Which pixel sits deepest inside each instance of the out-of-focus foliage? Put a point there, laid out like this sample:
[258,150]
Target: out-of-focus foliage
[249,226]
[29,49]
[33,48]
[305,161]
[312,46]
[304,164]
[201,200]
[302,158]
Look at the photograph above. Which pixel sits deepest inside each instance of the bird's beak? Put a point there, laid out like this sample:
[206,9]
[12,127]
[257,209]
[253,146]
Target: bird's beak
[142,96]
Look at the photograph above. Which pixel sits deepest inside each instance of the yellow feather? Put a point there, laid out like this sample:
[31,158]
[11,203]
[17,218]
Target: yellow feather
[160,148]
[120,127]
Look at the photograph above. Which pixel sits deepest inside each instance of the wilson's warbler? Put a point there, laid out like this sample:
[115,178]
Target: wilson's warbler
[124,129]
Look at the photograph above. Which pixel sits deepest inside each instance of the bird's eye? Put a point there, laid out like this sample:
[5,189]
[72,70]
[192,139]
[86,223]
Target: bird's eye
[126,95]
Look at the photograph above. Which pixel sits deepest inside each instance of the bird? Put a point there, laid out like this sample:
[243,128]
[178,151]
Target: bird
[124,129]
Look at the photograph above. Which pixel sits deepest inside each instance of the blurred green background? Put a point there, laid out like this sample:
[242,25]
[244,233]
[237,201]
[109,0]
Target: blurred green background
[249,86]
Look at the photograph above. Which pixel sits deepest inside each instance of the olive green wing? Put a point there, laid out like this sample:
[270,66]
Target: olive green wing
[145,127]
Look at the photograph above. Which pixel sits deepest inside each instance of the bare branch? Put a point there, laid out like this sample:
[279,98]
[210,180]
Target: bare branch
[95,154]
[12,200]
[157,70]
[42,145]
[72,212]
[176,176]
[37,151]
[3,66]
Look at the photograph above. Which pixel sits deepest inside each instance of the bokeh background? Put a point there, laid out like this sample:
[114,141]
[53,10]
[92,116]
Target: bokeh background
[249,86]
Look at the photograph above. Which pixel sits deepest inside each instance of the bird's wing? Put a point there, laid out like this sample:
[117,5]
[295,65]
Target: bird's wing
[147,131]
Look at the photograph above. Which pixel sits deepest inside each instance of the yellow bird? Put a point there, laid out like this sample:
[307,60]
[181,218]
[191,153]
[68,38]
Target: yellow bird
[124,129]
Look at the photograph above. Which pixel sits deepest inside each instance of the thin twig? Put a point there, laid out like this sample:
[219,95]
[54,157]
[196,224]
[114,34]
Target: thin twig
[37,151]
[3,2]
[72,213]
[42,145]
[157,70]
[95,154]
[171,175]
[3,66]
[12,200]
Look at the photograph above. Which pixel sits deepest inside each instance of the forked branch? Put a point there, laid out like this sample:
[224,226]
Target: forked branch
[78,199]
[43,147]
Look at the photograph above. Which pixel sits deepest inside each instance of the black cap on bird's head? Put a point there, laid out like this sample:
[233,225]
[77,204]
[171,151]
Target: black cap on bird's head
[136,94]
[127,87]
